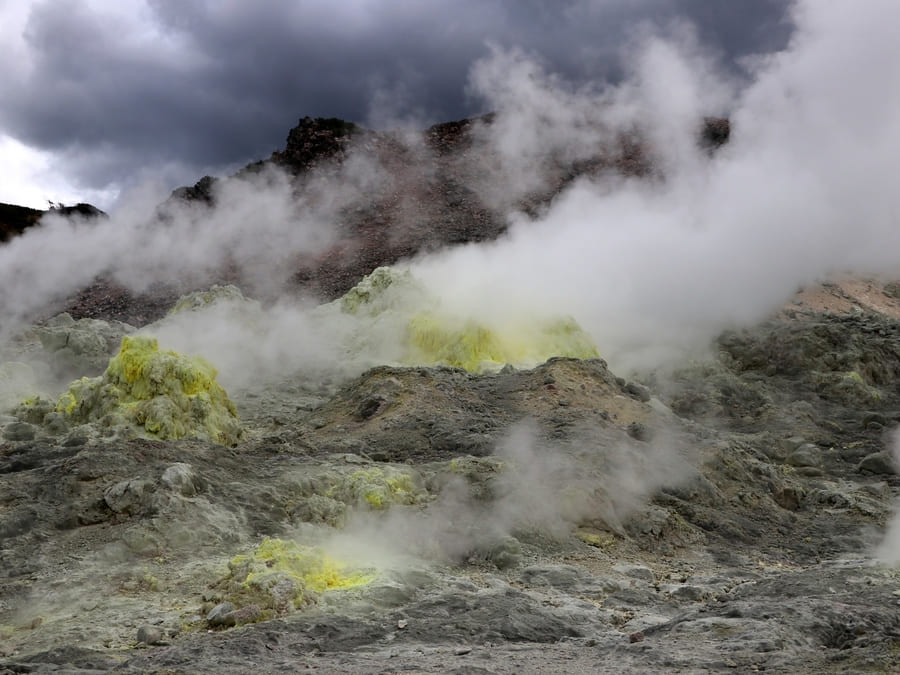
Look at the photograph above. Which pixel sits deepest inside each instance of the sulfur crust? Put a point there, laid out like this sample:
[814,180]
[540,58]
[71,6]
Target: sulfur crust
[477,348]
[280,576]
[434,337]
[314,569]
[378,489]
[163,393]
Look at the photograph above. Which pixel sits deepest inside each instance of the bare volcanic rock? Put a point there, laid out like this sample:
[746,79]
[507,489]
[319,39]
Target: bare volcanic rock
[14,220]
[423,194]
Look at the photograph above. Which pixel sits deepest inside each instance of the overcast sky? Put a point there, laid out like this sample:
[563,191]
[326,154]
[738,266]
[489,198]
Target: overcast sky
[99,95]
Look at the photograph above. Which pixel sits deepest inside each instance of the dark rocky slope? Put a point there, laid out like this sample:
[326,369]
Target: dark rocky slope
[14,220]
[422,196]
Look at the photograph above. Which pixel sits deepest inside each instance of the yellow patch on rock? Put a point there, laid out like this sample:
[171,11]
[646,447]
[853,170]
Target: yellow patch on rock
[434,337]
[378,488]
[164,393]
[280,576]
[477,348]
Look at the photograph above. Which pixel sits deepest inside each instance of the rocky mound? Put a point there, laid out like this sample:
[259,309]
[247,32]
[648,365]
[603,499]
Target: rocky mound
[160,394]
[392,301]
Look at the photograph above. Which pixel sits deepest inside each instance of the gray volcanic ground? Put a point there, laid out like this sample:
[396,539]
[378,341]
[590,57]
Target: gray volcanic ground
[625,401]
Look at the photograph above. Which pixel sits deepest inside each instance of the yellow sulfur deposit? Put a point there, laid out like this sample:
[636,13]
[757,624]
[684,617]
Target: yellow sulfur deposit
[384,289]
[377,488]
[164,393]
[280,576]
[477,348]
[433,337]
[215,295]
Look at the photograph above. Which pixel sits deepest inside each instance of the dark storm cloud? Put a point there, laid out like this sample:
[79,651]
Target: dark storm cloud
[175,88]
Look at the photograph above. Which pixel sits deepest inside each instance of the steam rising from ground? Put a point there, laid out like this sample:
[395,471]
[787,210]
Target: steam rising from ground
[888,550]
[541,488]
[259,225]
[804,188]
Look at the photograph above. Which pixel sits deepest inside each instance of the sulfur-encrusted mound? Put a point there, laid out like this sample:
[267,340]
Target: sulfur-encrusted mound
[378,488]
[162,393]
[433,337]
[281,576]
[467,344]
[384,289]
[214,295]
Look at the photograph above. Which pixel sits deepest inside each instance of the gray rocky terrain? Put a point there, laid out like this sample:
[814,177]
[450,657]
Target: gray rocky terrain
[729,514]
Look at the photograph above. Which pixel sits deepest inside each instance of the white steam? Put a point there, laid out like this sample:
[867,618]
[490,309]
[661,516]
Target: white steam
[252,345]
[804,188]
[258,227]
[541,488]
[888,551]
[650,266]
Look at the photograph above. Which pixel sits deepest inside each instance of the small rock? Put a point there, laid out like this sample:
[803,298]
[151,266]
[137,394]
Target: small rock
[636,637]
[806,455]
[218,615]
[55,423]
[788,445]
[555,576]
[370,407]
[788,497]
[19,431]
[638,391]
[180,478]
[127,496]
[402,623]
[874,420]
[462,651]
[150,635]
[641,572]
[688,592]
[878,462]
[639,431]
[506,554]
[246,614]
